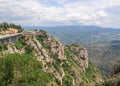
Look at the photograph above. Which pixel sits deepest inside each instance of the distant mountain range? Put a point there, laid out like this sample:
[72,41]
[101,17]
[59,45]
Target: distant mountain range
[82,34]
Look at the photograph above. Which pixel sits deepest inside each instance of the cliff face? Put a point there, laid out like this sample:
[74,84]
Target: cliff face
[68,65]
[80,68]
[116,68]
[114,79]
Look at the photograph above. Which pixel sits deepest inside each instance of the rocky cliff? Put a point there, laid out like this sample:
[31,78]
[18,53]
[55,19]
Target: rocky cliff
[67,65]
[114,79]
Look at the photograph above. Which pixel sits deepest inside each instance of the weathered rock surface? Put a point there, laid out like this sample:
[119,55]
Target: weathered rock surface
[80,55]
[116,68]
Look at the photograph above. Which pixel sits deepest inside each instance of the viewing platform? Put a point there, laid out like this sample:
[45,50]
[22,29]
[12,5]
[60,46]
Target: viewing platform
[12,38]
[9,38]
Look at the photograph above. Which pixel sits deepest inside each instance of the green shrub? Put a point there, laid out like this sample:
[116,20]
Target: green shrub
[40,39]
[3,47]
[22,70]
[20,43]
[28,49]
[4,26]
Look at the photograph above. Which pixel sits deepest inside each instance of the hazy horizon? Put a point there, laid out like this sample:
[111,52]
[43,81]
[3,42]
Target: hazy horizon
[71,26]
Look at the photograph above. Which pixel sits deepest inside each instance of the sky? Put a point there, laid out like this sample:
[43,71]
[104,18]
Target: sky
[105,13]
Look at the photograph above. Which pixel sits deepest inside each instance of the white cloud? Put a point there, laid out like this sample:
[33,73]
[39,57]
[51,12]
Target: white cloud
[101,13]
[35,12]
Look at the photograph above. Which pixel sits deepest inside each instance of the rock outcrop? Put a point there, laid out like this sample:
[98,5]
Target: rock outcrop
[114,79]
[80,55]
[116,68]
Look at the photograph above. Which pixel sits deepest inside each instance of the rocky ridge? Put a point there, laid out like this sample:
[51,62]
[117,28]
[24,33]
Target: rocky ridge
[69,65]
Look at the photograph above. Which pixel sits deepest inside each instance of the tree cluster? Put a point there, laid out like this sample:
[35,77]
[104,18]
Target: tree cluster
[4,26]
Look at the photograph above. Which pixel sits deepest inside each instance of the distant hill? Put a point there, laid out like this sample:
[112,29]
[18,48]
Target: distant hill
[82,34]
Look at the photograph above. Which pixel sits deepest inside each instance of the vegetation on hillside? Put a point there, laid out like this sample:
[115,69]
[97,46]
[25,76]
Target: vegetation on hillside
[4,26]
[20,43]
[22,70]
[3,47]
[73,70]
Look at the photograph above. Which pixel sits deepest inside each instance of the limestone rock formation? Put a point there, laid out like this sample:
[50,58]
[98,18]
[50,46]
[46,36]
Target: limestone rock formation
[80,55]
[69,65]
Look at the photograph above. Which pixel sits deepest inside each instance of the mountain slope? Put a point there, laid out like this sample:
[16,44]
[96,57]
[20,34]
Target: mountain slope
[102,43]
[34,58]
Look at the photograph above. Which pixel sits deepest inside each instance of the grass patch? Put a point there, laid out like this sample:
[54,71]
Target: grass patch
[20,43]
[3,47]
[22,70]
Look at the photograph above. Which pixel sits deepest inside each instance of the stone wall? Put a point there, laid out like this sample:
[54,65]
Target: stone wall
[9,39]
